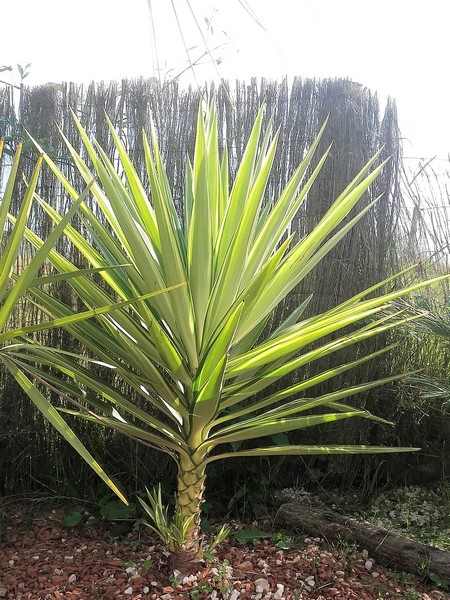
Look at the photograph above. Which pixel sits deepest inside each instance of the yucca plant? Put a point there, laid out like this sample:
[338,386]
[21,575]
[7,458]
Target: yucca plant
[197,368]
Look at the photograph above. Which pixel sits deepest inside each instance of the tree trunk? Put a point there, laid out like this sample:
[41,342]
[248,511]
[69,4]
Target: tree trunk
[189,498]
[389,549]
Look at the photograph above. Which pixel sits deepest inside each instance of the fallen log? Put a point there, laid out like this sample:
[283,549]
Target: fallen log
[389,549]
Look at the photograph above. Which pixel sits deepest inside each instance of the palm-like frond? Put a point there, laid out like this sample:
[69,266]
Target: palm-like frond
[13,287]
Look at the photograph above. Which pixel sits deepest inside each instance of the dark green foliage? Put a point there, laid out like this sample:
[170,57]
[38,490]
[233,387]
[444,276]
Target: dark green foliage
[281,540]
[74,516]
[108,509]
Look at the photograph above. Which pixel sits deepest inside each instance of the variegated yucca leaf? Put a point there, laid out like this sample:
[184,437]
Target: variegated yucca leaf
[13,286]
[12,289]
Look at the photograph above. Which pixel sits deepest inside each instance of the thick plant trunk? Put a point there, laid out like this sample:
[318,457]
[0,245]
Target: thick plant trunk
[189,498]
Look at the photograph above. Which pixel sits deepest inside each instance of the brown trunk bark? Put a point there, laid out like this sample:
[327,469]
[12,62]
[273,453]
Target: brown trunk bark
[184,563]
[189,498]
[389,549]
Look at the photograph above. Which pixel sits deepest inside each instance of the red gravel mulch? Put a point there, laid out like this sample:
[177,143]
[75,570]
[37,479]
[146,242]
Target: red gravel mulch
[42,559]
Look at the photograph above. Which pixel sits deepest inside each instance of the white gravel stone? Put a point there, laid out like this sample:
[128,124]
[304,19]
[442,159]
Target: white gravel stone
[72,578]
[368,564]
[130,570]
[3,592]
[280,591]
[262,564]
[128,591]
[234,595]
[263,584]
[145,589]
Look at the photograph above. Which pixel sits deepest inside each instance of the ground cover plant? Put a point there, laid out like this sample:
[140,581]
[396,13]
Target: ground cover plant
[419,513]
[195,367]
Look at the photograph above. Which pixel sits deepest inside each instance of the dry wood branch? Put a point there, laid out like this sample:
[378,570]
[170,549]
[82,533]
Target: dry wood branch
[389,549]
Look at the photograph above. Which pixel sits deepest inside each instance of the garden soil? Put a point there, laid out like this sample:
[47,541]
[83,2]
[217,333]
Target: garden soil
[41,559]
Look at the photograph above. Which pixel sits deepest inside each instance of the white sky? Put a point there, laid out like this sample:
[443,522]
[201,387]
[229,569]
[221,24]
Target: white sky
[395,47]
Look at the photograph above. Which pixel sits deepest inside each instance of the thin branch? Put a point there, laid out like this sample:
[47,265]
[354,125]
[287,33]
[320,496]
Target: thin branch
[155,45]
[422,168]
[248,9]
[194,63]
[17,87]
[207,50]
[186,49]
